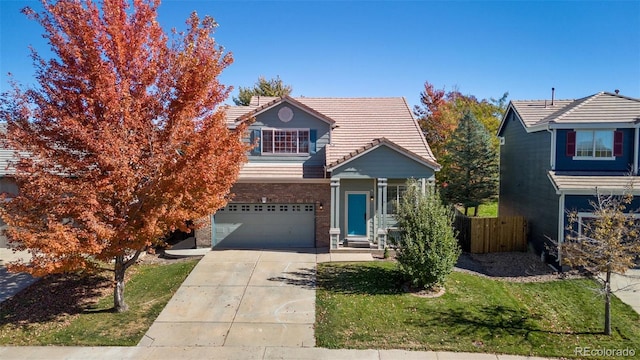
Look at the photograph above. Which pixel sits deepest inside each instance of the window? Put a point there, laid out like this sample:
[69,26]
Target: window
[394,195]
[285,141]
[586,222]
[594,144]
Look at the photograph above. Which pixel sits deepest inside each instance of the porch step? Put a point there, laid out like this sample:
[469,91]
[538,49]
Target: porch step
[352,250]
[357,242]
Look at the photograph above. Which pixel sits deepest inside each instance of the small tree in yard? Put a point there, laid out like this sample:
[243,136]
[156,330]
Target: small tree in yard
[604,244]
[471,165]
[427,247]
[123,141]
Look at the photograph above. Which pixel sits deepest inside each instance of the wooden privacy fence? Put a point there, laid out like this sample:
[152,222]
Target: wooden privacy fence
[488,235]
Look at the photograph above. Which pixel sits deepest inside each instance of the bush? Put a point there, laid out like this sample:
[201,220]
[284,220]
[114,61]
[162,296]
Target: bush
[427,247]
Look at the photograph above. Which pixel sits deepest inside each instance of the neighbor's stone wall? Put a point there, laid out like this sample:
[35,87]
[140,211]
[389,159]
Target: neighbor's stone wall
[203,234]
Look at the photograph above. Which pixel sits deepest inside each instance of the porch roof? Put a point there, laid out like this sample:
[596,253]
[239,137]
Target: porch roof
[374,145]
[577,183]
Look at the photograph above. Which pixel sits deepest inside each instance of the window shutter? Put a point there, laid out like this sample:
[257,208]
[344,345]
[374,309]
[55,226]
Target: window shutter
[313,134]
[618,137]
[255,139]
[571,143]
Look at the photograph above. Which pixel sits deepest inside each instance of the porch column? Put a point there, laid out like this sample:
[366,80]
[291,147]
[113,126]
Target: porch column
[382,213]
[334,231]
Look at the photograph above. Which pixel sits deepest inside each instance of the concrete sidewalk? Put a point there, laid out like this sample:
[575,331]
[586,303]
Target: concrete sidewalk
[627,288]
[235,353]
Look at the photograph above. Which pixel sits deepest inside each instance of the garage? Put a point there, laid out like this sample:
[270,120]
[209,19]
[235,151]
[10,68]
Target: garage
[260,226]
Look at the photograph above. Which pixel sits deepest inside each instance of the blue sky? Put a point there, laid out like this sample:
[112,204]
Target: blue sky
[390,48]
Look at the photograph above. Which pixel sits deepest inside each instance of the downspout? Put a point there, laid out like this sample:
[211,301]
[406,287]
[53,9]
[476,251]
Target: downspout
[636,143]
[560,227]
[553,147]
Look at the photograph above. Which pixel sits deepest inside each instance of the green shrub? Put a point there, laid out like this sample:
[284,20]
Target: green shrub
[427,247]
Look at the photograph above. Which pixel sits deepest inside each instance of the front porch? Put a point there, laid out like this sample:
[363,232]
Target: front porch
[362,212]
[366,186]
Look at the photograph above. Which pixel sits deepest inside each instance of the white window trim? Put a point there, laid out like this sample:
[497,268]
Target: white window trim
[582,215]
[398,197]
[593,139]
[273,141]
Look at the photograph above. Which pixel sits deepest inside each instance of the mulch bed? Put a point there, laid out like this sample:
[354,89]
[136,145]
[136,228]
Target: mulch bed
[510,266]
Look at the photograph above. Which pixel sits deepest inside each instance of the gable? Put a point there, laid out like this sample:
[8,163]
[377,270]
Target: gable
[287,116]
[383,162]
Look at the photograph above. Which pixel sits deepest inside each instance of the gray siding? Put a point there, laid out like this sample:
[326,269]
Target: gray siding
[9,186]
[301,120]
[525,189]
[382,162]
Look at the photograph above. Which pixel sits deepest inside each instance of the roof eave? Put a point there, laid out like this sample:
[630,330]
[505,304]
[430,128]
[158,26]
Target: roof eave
[290,101]
[433,165]
[591,125]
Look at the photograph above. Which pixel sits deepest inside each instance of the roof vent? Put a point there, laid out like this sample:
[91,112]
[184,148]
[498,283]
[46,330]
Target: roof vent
[553,93]
[617,91]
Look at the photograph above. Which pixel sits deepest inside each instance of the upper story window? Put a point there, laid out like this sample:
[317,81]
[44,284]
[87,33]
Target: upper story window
[281,141]
[594,144]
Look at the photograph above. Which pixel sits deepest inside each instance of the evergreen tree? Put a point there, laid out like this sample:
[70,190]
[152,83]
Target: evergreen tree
[471,165]
[262,87]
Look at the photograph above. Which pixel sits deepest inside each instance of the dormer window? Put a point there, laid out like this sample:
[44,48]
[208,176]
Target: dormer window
[285,141]
[594,144]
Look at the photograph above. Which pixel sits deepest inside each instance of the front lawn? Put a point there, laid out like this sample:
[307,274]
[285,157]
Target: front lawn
[361,306]
[73,310]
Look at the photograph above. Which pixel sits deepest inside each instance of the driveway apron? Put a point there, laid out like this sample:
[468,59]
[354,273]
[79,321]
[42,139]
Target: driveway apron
[242,298]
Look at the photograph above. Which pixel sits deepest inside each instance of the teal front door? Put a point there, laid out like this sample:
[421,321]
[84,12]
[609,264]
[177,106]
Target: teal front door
[357,214]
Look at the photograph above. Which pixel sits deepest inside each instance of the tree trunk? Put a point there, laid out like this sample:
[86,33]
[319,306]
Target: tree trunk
[465,210]
[475,210]
[118,293]
[607,304]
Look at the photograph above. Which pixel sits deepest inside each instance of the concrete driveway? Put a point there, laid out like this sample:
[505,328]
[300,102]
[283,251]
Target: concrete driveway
[242,298]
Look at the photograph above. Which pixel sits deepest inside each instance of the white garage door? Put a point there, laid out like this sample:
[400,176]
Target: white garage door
[260,226]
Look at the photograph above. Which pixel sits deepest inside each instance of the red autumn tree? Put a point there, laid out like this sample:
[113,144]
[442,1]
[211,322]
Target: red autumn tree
[122,141]
[440,111]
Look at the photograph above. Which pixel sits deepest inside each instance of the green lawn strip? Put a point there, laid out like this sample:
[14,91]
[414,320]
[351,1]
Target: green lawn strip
[488,209]
[485,210]
[147,292]
[360,306]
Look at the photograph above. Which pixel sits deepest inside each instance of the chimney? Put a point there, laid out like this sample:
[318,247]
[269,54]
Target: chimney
[617,91]
[553,93]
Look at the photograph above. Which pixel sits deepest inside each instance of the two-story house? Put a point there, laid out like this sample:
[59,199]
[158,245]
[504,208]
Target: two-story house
[554,154]
[325,173]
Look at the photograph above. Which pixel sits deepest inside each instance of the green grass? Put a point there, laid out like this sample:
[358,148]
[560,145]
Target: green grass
[361,306]
[484,210]
[488,210]
[147,292]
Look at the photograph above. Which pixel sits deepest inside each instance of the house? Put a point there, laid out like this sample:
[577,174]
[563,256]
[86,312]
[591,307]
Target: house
[325,173]
[554,154]
[7,182]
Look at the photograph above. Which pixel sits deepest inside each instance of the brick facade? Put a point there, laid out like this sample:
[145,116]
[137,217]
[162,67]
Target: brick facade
[293,193]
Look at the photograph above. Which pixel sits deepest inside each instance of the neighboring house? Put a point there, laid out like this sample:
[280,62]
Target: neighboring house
[7,182]
[554,154]
[325,173]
